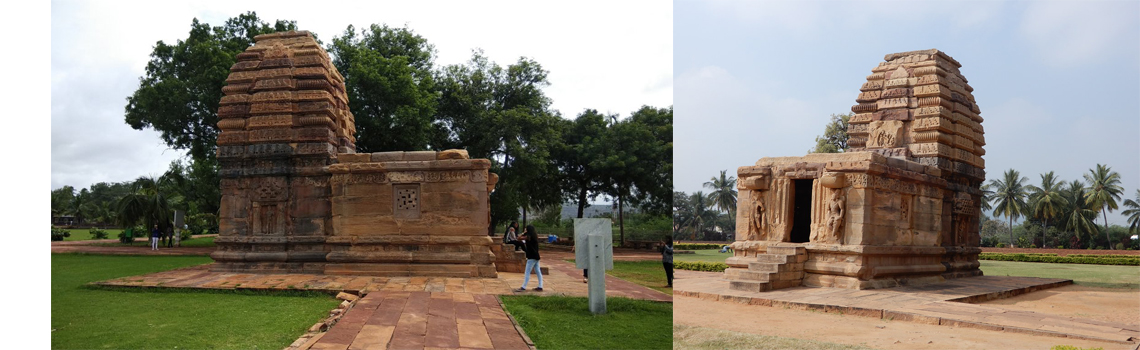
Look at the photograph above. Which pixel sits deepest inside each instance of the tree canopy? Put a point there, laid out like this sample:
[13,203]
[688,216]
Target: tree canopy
[834,139]
[179,95]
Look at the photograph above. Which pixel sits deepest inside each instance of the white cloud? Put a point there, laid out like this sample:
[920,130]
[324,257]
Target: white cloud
[1068,33]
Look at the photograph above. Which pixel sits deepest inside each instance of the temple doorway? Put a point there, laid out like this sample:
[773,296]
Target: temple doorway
[801,222]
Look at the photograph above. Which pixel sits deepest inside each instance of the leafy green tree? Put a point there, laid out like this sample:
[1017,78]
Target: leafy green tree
[1104,190]
[179,95]
[390,84]
[147,204]
[698,215]
[1078,215]
[834,139]
[1046,202]
[1133,212]
[579,157]
[61,199]
[1010,194]
[503,115]
[637,151]
[723,192]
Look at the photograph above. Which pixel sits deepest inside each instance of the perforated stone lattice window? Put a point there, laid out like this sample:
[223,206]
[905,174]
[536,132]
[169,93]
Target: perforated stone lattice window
[406,201]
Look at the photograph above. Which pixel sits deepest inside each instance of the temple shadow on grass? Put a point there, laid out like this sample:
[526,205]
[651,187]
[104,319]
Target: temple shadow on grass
[85,317]
[689,337]
[556,322]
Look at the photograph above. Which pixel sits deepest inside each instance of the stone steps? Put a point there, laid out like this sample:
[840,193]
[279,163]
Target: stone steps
[780,267]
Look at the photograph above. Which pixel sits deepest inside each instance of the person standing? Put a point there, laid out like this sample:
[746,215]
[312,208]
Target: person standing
[667,260]
[530,243]
[155,235]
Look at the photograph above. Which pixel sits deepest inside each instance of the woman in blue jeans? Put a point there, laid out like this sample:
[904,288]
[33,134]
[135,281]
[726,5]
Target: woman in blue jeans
[530,246]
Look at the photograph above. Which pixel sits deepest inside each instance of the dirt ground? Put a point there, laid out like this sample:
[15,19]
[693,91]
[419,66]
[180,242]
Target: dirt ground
[883,334]
[1059,252]
[1104,304]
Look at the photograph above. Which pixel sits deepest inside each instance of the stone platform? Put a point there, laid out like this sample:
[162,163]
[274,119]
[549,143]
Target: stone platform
[563,279]
[939,304]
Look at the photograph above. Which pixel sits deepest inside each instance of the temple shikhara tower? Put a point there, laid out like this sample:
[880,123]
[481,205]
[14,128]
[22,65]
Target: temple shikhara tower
[899,207]
[297,198]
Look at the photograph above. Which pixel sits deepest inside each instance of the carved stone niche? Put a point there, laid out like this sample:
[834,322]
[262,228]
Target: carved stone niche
[406,201]
[885,134]
[270,195]
[833,180]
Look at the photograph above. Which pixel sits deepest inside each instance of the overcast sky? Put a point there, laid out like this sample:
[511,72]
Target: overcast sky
[610,56]
[1057,82]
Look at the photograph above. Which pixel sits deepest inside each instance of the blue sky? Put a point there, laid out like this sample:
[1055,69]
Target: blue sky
[1058,83]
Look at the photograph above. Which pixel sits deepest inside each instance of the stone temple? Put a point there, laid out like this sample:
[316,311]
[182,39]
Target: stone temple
[899,207]
[296,198]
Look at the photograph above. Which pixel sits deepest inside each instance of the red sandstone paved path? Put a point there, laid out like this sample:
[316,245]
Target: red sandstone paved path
[424,320]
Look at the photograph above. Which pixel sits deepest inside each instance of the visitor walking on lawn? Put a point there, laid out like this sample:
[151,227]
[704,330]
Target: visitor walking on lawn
[530,245]
[667,260]
[155,235]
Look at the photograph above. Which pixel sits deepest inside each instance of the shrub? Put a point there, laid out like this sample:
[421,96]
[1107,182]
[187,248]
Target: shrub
[186,234]
[1033,246]
[98,234]
[696,246]
[1071,259]
[1001,245]
[700,266]
[1120,246]
[57,234]
[1060,247]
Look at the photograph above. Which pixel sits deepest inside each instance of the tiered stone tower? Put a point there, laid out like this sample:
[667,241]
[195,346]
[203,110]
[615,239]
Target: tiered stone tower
[297,198]
[900,206]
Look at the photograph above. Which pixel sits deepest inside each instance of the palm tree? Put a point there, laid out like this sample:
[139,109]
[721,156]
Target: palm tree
[1104,190]
[146,203]
[723,193]
[1133,213]
[1046,201]
[987,197]
[1010,196]
[700,214]
[1077,215]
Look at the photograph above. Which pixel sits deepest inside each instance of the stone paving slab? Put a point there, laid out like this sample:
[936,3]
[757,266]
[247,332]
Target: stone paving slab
[424,320]
[940,304]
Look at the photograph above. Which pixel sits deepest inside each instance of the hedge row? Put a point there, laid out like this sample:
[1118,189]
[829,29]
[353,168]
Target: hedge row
[699,266]
[696,246]
[1116,256]
[1135,261]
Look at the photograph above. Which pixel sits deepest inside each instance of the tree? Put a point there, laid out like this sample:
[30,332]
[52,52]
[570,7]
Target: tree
[834,138]
[723,192]
[503,115]
[179,95]
[653,194]
[1046,201]
[1010,196]
[699,215]
[1104,190]
[147,204]
[61,199]
[390,85]
[579,157]
[1078,215]
[637,161]
[1133,213]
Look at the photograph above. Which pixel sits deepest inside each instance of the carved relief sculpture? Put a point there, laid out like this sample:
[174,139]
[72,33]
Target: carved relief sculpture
[756,218]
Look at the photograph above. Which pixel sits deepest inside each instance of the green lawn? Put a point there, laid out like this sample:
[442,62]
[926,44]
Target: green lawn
[85,317]
[84,234]
[705,255]
[648,273]
[689,337]
[143,241]
[555,322]
[1105,276]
